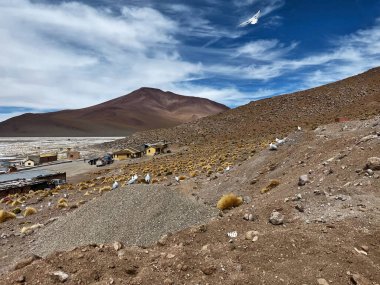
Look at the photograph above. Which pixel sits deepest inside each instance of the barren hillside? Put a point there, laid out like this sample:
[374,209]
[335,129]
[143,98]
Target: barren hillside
[143,109]
[356,97]
[324,230]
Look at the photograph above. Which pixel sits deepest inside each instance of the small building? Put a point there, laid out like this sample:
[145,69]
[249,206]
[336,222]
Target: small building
[156,148]
[32,160]
[24,181]
[48,157]
[126,153]
[12,169]
[72,154]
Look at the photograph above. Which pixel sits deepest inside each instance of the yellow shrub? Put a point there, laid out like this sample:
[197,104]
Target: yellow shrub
[16,203]
[193,174]
[5,216]
[62,200]
[29,211]
[105,189]
[63,204]
[270,186]
[229,201]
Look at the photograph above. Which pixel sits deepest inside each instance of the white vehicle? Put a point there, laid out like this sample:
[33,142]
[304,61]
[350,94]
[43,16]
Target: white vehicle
[252,20]
[100,162]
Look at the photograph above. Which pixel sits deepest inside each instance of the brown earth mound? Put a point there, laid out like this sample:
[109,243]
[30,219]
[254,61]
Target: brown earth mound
[143,109]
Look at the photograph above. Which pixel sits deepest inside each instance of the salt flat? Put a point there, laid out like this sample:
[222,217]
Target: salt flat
[23,146]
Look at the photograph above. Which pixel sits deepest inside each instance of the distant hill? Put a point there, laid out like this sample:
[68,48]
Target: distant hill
[143,109]
[356,97]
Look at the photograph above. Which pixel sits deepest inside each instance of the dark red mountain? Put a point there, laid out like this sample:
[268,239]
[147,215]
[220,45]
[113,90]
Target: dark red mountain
[143,109]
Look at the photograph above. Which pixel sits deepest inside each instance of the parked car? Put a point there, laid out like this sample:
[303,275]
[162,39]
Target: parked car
[108,159]
[100,162]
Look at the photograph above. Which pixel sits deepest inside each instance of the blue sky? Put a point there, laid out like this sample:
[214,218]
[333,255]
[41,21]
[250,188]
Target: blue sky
[63,54]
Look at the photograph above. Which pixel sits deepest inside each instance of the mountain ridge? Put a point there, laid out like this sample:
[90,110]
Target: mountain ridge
[143,109]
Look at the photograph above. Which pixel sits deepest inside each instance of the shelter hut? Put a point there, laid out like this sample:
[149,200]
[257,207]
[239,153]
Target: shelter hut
[48,157]
[32,160]
[126,153]
[156,148]
[72,154]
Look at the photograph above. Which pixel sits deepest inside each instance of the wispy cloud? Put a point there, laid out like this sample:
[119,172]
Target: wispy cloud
[266,6]
[269,59]
[80,55]
[230,96]
[265,50]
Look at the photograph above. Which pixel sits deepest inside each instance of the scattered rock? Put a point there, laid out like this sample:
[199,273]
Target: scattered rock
[276,218]
[297,197]
[247,199]
[162,241]
[369,172]
[170,256]
[208,269]
[251,234]
[131,269]
[300,208]
[248,217]
[26,261]
[322,281]
[117,245]
[60,276]
[365,248]
[303,179]
[199,229]
[21,279]
[367,138]
[357,279]
[373,163]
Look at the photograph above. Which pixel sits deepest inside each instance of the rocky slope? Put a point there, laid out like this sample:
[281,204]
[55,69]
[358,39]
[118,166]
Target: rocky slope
[325,229]
[143,109]
[356,97]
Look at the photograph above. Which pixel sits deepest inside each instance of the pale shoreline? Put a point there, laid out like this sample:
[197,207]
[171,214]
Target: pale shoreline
[18,147]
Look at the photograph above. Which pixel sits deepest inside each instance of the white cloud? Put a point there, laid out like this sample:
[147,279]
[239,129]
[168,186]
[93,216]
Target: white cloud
[72,55]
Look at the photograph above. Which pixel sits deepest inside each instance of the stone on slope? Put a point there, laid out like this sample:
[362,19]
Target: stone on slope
[373,163]
[276,218]
[303,179]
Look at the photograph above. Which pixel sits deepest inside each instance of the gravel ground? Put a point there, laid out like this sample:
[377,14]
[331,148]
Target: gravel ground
[137,215]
